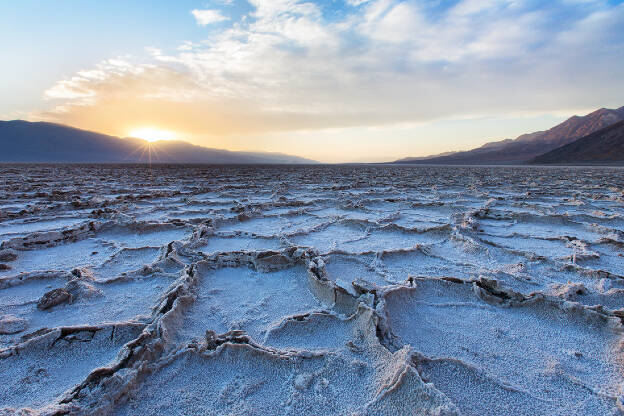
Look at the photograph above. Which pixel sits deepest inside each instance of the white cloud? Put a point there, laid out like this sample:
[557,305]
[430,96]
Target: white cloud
[83,86]
[356,3]
[386,62]
[207,17]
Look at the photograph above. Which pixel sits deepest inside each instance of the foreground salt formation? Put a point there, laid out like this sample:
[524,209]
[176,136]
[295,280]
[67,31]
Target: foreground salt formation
[311,290]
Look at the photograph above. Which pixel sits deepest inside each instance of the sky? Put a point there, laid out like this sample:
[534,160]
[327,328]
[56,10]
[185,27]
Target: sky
[331,80]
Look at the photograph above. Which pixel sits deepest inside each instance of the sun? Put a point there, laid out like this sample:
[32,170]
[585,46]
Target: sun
[152,134]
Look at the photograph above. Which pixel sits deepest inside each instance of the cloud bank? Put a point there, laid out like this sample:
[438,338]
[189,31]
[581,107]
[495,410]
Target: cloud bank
[301,65]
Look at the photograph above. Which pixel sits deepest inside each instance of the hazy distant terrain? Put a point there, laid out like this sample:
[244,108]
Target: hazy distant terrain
[529,146]
[22,141]
[372,290]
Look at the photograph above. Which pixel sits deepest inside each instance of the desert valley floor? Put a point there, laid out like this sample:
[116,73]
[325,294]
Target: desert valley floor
[318,290]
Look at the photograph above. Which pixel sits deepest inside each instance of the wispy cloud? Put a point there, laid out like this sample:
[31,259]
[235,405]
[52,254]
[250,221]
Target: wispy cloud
[207,17]
[84,87]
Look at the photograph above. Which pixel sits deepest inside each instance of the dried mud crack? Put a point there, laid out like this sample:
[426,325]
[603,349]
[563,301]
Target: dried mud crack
[311,290]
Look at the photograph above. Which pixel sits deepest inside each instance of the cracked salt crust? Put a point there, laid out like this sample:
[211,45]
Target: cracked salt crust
[376,290]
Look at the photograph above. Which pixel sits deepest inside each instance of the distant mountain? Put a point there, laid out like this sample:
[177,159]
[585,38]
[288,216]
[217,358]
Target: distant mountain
[415,159]
[603,146]
[529,146]
[24,141]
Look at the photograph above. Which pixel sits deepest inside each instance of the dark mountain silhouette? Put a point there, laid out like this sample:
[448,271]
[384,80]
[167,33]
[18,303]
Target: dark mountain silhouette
[529,146]
[23,141]
[603,146]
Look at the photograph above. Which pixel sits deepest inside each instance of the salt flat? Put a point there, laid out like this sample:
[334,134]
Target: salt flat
[376,290]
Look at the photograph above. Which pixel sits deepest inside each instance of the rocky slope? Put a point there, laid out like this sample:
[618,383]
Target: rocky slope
[602,146]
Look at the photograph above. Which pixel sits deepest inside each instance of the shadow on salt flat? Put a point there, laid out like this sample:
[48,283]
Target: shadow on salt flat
[320,331]
[113,301]
[610,258]
[350,214]
[262,226]
[347,268]
[241,380]
[354,238]
[565,359]
[124,261]
[398,266]
[83,253]
[274,226]
[387,239]
[244,379]
[148,236]
[247,299]
[539,227]
[552,248]
[218,244]
[331,238]
[20,228]
[49,365]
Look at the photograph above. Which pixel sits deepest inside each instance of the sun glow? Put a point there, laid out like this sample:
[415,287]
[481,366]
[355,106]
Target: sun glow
[153,135]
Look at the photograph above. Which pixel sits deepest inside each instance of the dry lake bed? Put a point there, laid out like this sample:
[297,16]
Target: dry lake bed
[311,290]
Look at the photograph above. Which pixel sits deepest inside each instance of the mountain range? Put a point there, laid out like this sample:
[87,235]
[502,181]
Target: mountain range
[603,146]
[24,141]
[528,147]
[596,138]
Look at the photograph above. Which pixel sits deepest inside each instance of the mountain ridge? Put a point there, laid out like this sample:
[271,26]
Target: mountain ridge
[44,142]
[603,146]
[530,145]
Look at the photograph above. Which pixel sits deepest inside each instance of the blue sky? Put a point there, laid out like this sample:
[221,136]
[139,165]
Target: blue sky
[351,80]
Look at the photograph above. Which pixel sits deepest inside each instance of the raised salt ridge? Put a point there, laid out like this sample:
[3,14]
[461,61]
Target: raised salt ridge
[377,290]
